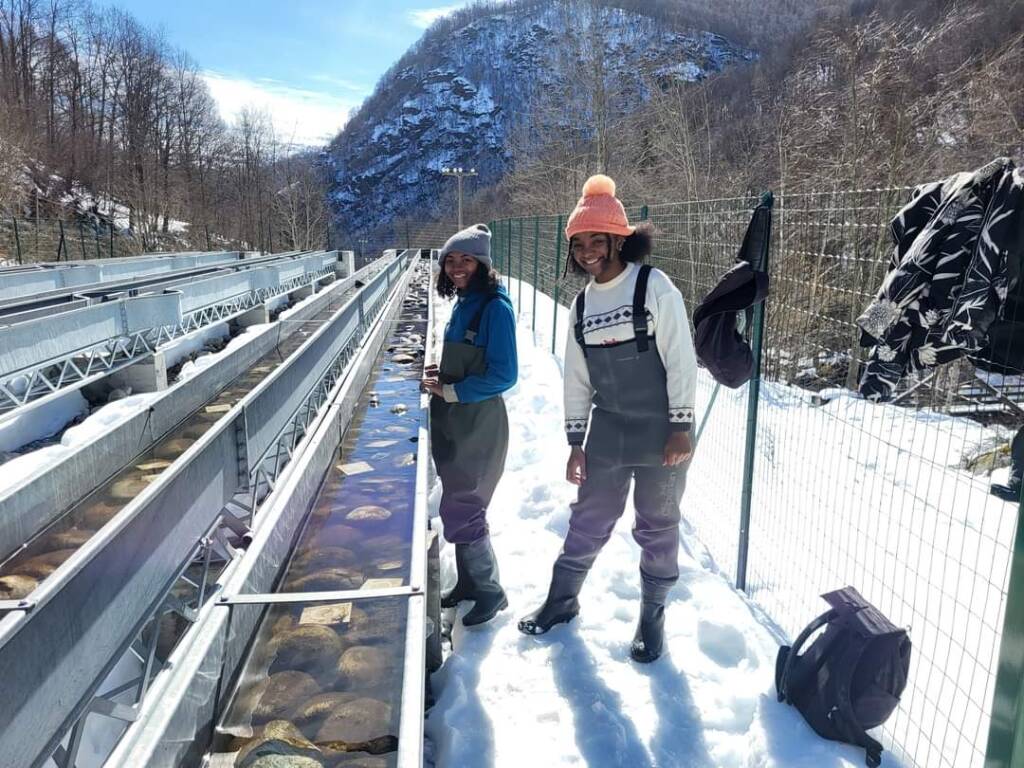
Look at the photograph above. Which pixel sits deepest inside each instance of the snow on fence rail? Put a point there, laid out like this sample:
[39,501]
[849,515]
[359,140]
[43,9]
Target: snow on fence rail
[890,498]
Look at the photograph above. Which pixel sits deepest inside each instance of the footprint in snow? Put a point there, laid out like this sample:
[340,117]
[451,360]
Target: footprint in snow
[723,644]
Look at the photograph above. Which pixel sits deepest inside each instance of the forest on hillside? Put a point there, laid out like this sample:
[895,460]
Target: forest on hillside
[856,95]
[96,107]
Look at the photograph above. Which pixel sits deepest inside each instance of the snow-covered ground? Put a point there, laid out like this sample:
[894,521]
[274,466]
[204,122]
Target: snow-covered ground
[848,492]
[573,697]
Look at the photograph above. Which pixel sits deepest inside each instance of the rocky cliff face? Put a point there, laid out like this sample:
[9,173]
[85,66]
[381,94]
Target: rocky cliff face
[455,98]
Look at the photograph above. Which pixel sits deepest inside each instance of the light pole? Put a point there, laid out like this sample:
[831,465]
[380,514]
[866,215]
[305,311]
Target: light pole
[459,173]
[362,244]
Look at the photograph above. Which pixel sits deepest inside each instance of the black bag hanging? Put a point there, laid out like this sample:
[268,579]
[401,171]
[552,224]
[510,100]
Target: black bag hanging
[851,677]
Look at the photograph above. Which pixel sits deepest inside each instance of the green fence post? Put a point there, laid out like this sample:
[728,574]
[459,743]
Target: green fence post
[96,239]
[519,301]
[753,397]
[1006,730]
[536,262]
[81,239]
[643,213]
[17,238]
[558,265]
[112,239]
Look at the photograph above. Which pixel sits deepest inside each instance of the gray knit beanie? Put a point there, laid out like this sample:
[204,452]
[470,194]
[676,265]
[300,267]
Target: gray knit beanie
[474,241]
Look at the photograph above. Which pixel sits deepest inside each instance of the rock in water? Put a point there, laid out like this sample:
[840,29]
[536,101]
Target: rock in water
[317,557]
[326,579]
[368,513]
[309,648]
[337,536]
[285,761]
[41,566]
[280,693]
[364,666]
[278,738]
[72,538]
[356,723]
[128,489]
[16,586]
[97,515]
[320,706]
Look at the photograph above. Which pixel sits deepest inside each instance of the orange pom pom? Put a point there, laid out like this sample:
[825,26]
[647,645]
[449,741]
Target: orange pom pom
[599,184]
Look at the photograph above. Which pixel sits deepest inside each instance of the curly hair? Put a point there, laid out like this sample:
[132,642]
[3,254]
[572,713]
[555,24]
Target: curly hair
[636,247]
[483,279]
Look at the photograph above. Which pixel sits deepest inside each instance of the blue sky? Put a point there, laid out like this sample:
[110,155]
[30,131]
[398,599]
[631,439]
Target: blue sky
[309,62]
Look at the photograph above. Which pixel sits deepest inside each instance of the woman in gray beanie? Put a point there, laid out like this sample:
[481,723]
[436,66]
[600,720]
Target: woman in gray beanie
[468,421]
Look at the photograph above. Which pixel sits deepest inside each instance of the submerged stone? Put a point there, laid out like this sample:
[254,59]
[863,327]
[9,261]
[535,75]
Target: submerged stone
[337,536]
[276,696]
[16,586]
[41,566]
[337,577]
[285,761]
[308,648]
[320,706]
[72,538]
[368,513]
[128,488]
[364,666]
[355,723]
[316,557]
[277,738]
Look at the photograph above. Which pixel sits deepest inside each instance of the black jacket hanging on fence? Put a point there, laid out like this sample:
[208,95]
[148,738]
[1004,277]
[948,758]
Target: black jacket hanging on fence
[720,345]
[948,275]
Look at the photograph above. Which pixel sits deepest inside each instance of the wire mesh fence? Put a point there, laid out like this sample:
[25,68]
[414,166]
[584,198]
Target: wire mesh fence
[891,498]
[30,240]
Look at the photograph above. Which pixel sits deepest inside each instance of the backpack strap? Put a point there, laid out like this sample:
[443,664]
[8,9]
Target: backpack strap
[640,308]
[474,324]
[783,685]
[581,298]
[844,718]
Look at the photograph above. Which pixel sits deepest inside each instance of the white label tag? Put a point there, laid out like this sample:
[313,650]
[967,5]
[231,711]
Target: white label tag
[355,468]
[332,613]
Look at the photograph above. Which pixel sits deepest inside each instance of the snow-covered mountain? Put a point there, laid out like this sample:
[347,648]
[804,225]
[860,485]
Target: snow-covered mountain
[456,97]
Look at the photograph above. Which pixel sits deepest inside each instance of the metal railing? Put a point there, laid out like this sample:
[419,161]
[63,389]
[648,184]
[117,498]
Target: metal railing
[50,353]
[890,498]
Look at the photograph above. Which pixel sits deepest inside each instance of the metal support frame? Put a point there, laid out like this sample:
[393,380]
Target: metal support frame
[51,668]
[81,365]
[179,723]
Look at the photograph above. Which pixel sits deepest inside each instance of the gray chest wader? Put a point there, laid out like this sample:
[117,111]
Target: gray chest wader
[468,441]
[626,441]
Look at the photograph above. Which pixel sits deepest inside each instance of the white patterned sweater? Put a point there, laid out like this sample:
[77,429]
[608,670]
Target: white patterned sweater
[607,319]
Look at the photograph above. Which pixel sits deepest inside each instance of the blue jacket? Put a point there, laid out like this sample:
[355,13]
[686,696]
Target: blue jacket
[498,338]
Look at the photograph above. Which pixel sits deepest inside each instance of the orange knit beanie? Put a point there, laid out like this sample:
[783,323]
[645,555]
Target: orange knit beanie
[598,210]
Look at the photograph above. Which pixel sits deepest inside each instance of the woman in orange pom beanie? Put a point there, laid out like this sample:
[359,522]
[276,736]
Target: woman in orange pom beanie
[630,380]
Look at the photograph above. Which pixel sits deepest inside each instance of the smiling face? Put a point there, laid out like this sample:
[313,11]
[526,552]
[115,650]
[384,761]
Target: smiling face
[591,252]
[460,268]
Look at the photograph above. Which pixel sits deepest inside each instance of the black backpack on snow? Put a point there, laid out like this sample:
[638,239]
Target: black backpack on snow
[851,677]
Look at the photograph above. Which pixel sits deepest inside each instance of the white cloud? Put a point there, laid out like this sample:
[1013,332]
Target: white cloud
[300,115]
[425,17]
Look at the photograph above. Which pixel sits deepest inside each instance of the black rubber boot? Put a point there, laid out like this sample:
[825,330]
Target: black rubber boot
[650,630]
[463,589]
[561,604]
[482,569]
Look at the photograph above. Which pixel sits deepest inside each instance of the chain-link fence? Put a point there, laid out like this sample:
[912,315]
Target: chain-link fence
[890,498]
[29,240]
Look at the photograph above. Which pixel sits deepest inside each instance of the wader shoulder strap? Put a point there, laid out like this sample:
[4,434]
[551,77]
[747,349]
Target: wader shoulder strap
[640,308]
[580,304]
[474,324]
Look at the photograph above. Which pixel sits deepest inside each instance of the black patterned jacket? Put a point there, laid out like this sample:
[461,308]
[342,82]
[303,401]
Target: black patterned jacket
[947,277]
